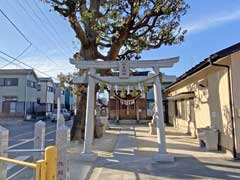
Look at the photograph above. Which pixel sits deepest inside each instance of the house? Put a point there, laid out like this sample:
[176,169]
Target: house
[59,93]
[17,92]
[45,95]
[208,95]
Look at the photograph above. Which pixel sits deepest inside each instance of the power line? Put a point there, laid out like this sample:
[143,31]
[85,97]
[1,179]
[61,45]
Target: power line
[9,62]
[43,30]
[31,42]
[16,57]
[49,22]
[11,57]
[20,32]
[15,26]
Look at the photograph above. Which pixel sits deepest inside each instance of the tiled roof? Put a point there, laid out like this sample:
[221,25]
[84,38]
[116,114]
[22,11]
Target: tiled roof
[214,57]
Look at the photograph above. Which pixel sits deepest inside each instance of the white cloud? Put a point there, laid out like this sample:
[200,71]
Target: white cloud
[211,21]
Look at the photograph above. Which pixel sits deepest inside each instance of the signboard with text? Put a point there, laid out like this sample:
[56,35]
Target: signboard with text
[124,69]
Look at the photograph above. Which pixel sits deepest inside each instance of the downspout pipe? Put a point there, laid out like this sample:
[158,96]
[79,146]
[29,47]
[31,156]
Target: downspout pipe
[211,59]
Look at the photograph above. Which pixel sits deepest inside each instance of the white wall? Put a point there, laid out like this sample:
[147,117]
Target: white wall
[42,94]
[20,90]
[31,93]
[236,95]
[58,93]
[50,95]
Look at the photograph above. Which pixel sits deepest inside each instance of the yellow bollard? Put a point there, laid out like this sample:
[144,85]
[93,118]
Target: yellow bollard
[40,170]
[45,169]
[51,162]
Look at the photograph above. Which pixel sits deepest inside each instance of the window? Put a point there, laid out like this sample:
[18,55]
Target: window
[50,89]
[38,100]
[8,81]
[31,84]
[181,109]
[1,82]
[12,107]
[39,87]
[178,110]
[11,82]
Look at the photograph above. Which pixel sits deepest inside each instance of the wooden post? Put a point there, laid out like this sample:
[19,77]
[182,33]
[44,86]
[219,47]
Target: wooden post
[4,133]
[117,110]
[39,138]
[136,104]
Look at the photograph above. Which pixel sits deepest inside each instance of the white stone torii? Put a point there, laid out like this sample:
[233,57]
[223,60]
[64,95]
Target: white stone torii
[87,153]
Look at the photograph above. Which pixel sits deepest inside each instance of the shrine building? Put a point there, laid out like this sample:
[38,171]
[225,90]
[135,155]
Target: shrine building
[135,107]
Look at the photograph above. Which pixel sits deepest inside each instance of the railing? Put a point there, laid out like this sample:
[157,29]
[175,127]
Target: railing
[45,169]
[62,141]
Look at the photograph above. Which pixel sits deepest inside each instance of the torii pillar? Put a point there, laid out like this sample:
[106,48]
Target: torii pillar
[162,155]
[87,153]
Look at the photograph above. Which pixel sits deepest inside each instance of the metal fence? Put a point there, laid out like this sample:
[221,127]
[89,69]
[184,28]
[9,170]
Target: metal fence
[43,171]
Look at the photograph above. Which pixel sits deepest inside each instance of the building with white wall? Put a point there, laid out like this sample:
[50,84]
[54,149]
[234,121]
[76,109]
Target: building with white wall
[17,92]
[208,96]
[45,95]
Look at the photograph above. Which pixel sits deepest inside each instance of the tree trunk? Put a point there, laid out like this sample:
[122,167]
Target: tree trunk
[78,128]
[77,131]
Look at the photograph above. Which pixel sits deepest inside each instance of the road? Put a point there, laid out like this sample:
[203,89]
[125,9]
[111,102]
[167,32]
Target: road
[21,137]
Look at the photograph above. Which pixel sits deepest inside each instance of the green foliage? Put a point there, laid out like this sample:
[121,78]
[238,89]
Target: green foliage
[145,87]
[102,86]
[123,27]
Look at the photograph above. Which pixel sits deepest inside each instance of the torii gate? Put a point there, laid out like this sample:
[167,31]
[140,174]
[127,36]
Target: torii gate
[91,66]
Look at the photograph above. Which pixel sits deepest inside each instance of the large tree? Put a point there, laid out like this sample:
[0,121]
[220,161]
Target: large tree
[121,28]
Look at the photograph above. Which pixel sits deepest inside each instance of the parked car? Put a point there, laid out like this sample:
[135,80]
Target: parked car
[64,112]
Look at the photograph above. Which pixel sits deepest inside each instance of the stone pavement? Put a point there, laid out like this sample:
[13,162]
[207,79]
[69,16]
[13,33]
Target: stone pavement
[132,159]
[125,153]
[104,147]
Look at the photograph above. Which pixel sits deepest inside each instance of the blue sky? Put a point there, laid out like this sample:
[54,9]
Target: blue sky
[212,26]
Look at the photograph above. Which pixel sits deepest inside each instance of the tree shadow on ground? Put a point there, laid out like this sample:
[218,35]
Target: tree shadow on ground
[139,165]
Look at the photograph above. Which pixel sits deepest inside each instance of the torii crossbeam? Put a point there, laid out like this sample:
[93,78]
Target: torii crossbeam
[87,153]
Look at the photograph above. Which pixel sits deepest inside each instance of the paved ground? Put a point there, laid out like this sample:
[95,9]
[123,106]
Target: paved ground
[21,137]
[103,147]
[125,153]
[131,159]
